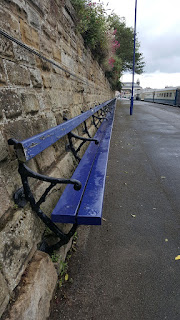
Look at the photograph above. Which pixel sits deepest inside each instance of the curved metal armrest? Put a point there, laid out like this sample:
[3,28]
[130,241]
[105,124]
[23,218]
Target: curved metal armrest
[27,172]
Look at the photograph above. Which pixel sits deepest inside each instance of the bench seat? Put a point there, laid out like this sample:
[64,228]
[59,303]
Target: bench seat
[85,206]
[82,199]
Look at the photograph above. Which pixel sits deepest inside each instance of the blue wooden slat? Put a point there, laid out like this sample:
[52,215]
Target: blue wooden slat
[66,208]
[36,144]
[90,211]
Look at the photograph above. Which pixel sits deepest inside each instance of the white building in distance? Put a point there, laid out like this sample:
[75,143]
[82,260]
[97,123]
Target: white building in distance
[126,90]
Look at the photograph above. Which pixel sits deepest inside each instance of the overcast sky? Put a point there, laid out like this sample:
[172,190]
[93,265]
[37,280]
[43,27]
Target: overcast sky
[158,28]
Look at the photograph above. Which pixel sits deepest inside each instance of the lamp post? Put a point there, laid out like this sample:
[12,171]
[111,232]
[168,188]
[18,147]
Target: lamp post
[132,97]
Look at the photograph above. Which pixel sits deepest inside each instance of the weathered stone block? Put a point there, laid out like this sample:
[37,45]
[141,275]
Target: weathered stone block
[23,56]
[70,9]
[9,23]
[2,73]
[59,117]
[3,148]
[81,70]
[56,54]
[17,7]
[4,294]
[5,201]
[39,125]
[11,182]
[41,6]
[30,102]
[53,13]
[18,238]
[36,292]
[33,17]
[61,30]
[66,165]
[36,78]
[67,16]
[6,47]
[66,48]
[19,129]
[58,100]
[19,3]
[60,147]
[44,65]
[49,32]
[45,159]
[77,98]
[47,103]
[46,80]
[74,45]
[80,87]
[57,70]
[29,35]
[57,81]
[51,119]
[46,47]
[17,74]
[10,103]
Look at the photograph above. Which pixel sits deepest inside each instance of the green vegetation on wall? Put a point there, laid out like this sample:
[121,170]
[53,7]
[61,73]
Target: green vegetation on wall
[109,39]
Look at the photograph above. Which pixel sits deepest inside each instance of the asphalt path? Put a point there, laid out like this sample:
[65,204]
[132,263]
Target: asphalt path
[126,268]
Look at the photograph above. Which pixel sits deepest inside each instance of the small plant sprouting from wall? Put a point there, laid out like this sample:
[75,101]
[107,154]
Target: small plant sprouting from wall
[55,257]
[62,266]
[63,276]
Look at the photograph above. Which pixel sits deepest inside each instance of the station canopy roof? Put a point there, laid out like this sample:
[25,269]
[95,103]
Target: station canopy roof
[128,85]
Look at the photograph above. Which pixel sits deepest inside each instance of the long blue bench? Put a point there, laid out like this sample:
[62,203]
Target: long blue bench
[82,199]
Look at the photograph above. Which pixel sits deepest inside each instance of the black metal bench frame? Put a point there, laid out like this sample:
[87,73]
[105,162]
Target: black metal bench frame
[29,148]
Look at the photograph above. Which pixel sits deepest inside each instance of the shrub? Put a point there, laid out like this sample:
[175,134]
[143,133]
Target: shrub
[103,35]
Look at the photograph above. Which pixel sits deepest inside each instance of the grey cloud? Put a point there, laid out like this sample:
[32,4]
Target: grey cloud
[162,53]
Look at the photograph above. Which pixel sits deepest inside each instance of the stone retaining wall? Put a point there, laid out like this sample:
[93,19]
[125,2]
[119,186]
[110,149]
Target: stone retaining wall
[34,96]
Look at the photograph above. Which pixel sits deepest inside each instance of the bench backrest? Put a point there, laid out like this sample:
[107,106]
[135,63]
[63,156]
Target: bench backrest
[29,148]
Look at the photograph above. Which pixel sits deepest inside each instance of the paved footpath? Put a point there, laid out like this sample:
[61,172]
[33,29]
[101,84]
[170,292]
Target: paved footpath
[126,268]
